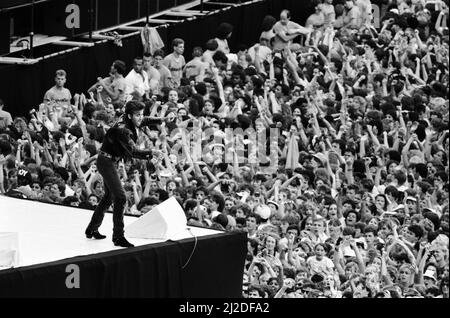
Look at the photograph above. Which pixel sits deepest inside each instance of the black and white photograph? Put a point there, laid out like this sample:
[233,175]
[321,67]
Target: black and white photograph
[242,151]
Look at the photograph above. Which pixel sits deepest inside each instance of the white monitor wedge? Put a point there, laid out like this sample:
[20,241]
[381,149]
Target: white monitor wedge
[165,221]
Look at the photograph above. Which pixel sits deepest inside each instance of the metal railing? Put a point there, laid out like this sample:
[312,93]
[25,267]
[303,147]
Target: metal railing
[98,36]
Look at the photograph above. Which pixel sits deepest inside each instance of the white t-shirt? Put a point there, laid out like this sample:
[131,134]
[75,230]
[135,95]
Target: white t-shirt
[325,265]
[365,8]
[137,83]
[223,45]
[263,53]
[68,191]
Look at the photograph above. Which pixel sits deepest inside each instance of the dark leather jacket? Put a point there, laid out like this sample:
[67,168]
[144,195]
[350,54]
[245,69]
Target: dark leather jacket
[120,142]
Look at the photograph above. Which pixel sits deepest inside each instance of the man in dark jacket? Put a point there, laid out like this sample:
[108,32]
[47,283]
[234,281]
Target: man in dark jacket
[118,143]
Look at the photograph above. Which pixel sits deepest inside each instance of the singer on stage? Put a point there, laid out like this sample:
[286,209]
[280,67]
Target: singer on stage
[118,143]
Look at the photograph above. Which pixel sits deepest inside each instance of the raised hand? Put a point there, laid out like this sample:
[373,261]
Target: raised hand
[62,143]
[215,71]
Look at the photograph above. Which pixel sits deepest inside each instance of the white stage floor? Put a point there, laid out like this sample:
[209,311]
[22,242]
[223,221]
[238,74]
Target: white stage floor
[50,232]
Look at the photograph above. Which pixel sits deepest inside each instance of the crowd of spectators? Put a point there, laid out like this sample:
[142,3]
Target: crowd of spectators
[351,200]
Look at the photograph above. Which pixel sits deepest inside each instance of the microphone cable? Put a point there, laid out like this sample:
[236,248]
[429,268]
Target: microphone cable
[193,249]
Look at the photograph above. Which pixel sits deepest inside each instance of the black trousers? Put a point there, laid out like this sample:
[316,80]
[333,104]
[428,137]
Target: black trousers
[114,193]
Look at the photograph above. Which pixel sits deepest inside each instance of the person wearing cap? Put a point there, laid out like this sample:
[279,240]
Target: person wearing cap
[411,205]
[118,143]
[429,278]
[273,207]
[264,213]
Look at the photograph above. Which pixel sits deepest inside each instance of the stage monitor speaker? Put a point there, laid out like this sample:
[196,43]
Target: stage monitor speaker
[165,221]
[9,250]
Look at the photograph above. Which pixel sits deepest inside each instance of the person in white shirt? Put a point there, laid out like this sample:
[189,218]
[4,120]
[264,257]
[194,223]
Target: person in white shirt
[137,81]
[365,8]
[263,49]
[319,263]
